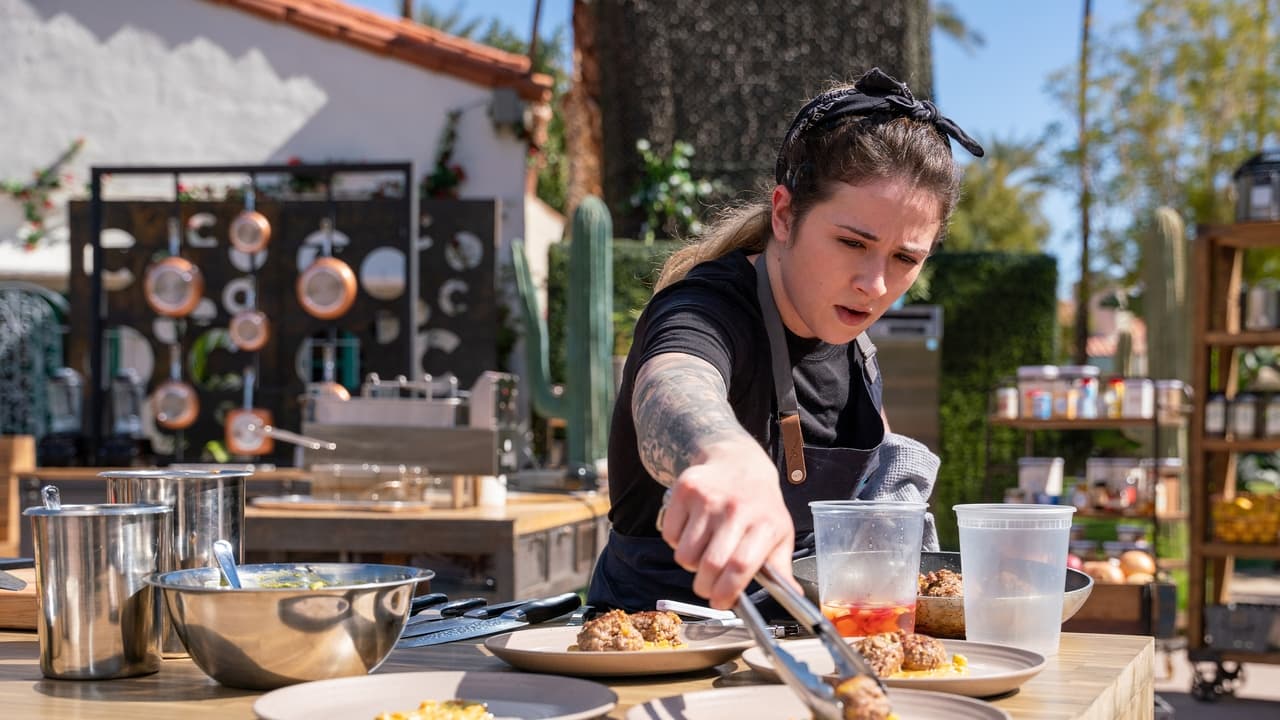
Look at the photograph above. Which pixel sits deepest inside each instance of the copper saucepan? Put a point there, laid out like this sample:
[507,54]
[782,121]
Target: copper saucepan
[175,402]
[250,329]
[250,232]
[173,287]
[327,288]
[244,425]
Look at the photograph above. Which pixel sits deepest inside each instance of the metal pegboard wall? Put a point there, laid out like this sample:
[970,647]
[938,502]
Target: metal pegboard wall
[371,236]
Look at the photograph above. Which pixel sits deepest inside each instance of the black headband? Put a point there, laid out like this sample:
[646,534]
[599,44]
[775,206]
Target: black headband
[872,93]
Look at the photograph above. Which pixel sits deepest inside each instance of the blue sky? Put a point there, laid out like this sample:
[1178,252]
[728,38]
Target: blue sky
[995,91]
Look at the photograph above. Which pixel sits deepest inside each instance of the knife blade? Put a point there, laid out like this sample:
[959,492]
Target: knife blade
[514,619]
[423,625]
[9,581]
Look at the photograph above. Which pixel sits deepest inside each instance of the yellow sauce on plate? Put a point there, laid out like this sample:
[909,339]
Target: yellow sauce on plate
[958,666]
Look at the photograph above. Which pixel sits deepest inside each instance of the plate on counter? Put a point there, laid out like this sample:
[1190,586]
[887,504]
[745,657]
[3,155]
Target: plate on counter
[547,650]
[507,695]
[778,701]
[992,669]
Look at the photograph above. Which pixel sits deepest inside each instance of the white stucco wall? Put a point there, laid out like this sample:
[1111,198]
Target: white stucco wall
[190,82]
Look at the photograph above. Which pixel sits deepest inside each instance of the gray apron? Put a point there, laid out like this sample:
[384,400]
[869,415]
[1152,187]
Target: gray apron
[635,572]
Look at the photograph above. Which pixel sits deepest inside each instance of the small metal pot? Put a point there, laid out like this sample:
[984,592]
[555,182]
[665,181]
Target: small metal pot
[244,432]
[249,330]
[327,289]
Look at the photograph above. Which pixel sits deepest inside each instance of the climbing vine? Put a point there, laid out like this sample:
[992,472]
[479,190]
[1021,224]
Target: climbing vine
[34,195]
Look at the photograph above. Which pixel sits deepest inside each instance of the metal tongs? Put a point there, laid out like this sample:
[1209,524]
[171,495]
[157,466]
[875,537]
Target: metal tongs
[817,694]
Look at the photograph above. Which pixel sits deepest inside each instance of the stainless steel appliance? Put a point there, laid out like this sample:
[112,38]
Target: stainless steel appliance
[429,422]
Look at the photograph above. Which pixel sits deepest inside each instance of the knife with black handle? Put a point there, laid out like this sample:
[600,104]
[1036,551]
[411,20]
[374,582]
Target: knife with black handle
[448,616]
[513,619]
[422,602]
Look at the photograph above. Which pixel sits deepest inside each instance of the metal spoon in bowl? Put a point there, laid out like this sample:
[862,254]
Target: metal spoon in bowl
[227,562]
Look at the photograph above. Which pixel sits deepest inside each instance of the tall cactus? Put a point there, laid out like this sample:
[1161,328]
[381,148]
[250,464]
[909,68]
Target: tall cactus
[586,400]
[1164,273]
[1167,309]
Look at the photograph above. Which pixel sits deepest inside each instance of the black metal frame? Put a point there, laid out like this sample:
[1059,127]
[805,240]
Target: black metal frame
[320,171]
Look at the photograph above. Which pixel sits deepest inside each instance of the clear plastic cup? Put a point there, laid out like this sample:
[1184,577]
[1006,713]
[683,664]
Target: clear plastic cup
[1014,559]
[868,563]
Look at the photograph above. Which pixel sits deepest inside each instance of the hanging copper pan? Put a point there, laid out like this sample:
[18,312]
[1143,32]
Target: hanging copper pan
[327,288]
[249,330]
[175,402]
[244,425]
[250,232]
[173,287]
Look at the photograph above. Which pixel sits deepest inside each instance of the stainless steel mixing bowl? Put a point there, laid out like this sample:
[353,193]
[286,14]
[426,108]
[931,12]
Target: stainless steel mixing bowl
[309,621]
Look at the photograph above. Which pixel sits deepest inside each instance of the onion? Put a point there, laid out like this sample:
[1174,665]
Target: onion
[1103,571]
[1074,562]
[1140,579]
[1137,562]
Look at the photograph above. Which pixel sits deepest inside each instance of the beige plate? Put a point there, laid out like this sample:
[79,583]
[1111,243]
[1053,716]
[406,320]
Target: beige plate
[508,695]
[546,650]
[777,701]
[993,669]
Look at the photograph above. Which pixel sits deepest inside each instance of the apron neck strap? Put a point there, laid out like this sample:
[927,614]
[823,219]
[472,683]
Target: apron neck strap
[783,386]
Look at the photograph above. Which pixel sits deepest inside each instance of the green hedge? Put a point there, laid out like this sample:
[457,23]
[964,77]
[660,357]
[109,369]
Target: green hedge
[999,312]
[635,268]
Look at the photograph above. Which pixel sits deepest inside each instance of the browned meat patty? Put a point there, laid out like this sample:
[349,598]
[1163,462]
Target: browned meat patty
[863,699]
[883,652]
[657,625]
[941,583]
[611,631]
[921,652]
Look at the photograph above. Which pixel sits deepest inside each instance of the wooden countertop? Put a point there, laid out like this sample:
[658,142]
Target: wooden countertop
[528,512]
[1093,677]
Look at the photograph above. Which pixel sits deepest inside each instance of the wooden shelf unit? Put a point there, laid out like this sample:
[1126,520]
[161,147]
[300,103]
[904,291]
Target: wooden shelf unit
[1217,328]
[1081,423]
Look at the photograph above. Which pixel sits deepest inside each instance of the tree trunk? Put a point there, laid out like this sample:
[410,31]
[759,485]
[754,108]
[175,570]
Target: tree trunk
[583,131]
[1083,290]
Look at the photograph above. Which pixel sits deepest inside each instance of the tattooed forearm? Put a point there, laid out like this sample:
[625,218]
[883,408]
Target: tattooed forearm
[680,405]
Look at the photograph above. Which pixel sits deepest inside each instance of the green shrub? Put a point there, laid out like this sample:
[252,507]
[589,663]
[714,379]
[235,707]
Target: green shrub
[999,312]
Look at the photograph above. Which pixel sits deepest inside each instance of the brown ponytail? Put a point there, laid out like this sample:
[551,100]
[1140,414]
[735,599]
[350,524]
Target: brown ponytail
[738,227]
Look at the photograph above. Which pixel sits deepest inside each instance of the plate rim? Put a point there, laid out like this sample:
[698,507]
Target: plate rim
[635,712]
[487,675]
[614,665]
[948,685]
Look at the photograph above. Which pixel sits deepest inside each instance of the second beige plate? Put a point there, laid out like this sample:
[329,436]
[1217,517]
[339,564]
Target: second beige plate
[546,650]
[993,669]
[778,701]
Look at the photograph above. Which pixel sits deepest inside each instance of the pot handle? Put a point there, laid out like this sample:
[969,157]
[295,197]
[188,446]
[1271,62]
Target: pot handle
[291,437]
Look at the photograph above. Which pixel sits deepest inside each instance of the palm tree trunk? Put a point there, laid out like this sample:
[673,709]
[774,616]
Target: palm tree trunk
[1083,289]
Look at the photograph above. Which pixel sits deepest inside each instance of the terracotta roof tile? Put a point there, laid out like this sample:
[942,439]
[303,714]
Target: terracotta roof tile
[405,40]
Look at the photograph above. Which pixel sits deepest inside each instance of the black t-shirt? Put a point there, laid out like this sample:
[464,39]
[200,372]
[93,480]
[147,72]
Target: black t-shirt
[714,314]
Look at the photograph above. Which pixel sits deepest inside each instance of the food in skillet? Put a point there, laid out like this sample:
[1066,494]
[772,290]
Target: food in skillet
[617,630]
[442,710]
[941,583]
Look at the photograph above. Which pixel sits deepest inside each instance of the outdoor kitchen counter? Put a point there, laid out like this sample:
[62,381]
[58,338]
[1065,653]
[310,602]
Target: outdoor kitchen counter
[1094,677]
[539,544]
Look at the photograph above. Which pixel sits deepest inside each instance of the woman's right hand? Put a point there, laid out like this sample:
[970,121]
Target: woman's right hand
[725,518]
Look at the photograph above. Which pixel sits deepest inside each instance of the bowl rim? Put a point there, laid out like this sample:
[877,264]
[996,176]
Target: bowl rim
[164,579]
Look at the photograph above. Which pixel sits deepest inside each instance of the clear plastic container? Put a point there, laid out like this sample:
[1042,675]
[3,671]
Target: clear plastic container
[1035,388]
[1015,566]
[868,563]
[1040,476]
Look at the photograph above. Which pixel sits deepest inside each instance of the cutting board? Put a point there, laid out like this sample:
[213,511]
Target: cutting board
[18,607]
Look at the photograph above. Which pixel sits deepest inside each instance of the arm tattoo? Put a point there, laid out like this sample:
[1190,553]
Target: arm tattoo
[680,405]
